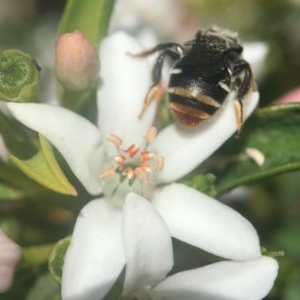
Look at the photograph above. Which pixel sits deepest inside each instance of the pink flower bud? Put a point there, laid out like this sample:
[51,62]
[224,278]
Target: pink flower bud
[290,97]
[10,254]
[76,61]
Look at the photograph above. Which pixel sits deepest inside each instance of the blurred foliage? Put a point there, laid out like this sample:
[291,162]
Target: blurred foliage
[274,138]
[272,204]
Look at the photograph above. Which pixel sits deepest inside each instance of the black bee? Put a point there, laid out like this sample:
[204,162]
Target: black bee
[205,72]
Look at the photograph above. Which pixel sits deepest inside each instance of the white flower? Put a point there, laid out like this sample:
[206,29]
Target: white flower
[255,53]
[148,263]
[117,167]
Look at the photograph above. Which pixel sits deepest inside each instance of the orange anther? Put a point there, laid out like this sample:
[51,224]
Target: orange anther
[146,155]
[114,139]
[129,173]
[159,163]
[132,150]
[150,135]
[120,159]
[145,166]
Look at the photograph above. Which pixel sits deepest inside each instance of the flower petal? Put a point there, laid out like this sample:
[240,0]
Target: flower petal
[184,149]
[95,256]
[76,138]
[206,223]
[222,281]
[10,254]
[4,152]
[125,82]
[255,53]
[148,245]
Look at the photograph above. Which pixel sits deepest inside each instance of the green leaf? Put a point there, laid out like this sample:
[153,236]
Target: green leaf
[287,237]
[57,256]
[292,291]
[44,169]
[17,180]
[202,183]
[16,139]
[274,133]
[90,17]
[9,193]
[45,288]
[35,255]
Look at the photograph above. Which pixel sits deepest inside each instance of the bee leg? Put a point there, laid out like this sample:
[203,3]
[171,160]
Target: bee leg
[244,80]
[157,48]
[155,93]
[156,90]
[238,106]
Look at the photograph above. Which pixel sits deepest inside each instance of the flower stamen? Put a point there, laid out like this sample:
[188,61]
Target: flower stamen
[133,169]
[159,163]
[141,174]
[132,150]
[129,173]
[150,135]
[120,159]
[108,172]
[115,140]
[145,166]
[146,155]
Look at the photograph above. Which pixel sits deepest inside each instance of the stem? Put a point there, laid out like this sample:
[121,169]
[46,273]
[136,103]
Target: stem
[90,17]
[36,255]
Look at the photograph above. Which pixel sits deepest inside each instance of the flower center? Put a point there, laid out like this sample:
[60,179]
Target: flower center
[132,170]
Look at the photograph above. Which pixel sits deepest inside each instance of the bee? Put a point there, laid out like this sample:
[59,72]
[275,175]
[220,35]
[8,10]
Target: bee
[205,71]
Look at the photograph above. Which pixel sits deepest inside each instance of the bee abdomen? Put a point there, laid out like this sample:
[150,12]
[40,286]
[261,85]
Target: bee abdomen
[191,109]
